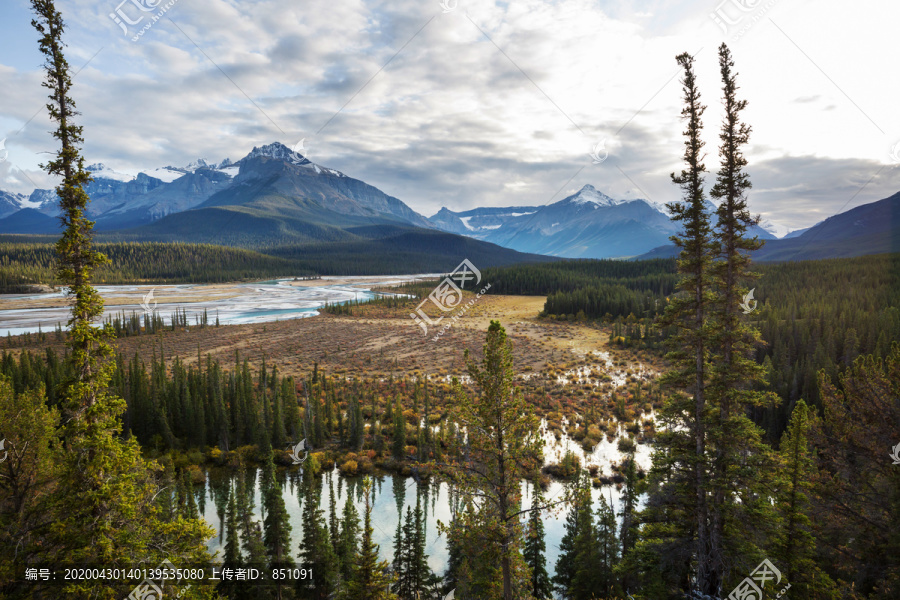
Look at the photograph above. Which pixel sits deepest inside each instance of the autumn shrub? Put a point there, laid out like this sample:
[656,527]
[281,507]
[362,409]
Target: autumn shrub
[348,468]
[196,474]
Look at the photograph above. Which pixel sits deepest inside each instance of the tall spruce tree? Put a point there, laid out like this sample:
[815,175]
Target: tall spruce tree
[276,525]
[371,580]
[103,505]
[348,547]
[232,558]
[681,459]
[535,547]
[735,376]
[316,549]
[607,549]
[399,439]
[576,539]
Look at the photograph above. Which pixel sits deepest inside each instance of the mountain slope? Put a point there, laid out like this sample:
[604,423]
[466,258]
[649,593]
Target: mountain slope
[588,224]
[29,220]
[872,228]
[868,229]
[10,203]
[478,222]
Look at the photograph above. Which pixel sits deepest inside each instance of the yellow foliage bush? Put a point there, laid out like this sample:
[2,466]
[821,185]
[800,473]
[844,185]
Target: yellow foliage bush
[348,469]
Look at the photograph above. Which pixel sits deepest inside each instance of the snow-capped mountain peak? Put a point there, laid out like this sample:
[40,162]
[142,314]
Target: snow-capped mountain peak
[200,163]
[590,194]
[99,170]
[274,150]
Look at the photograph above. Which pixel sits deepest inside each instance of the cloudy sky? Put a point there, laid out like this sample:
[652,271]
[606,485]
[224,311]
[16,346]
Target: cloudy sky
[473,102]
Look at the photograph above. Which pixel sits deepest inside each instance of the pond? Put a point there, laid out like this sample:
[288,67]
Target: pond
[393,493]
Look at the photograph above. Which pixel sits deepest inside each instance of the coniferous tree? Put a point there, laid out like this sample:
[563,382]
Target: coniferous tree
[316,549]
[251,535]
[504,446]
[232,558]
[535,547]
[348,547]
[735,375]
[103,505]
[400,585]
[276,525]
[796,547]
[454,557]
[190,503]
[567,563]
[680,464]
[399,438]
[26,475]
[370,580]
[586,555]
[333,527]
[858,489]
[607,548]
[404,558]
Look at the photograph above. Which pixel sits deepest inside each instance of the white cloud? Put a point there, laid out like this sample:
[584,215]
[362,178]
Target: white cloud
[451,120]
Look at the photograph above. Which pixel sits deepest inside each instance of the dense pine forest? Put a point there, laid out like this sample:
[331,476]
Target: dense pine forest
[26,260]
[812,315]
[32,263]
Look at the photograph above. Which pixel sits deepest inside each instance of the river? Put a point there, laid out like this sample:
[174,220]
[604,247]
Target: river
[237,303]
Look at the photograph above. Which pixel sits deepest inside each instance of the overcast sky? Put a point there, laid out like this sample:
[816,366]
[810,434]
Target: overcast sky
[474,102]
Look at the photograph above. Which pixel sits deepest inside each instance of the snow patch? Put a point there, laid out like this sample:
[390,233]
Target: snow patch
[164,174]
[99,170]
[776,229]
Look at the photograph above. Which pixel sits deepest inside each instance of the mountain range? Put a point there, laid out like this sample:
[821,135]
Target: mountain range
[273,199]
[587,224]
[276,198]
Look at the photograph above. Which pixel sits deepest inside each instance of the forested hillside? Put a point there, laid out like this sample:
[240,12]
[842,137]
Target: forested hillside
[404,252]
[812,315]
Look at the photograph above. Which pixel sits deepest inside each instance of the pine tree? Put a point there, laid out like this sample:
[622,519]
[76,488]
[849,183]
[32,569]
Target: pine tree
[535,547]
[370,581]
[682,465]
[399,439]
[277,533]
[103,507]
[348,548]
[316,550]
[504,443]
[608,548]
